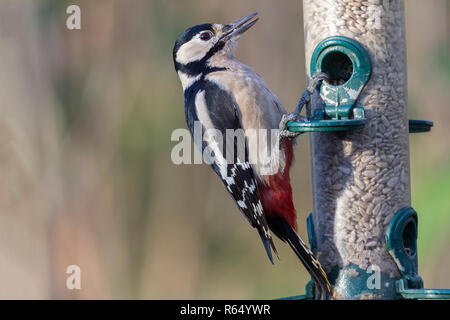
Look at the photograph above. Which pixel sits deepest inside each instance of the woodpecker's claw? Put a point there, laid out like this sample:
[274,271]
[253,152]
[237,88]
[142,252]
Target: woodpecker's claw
[315,80]
[286,118]
[284,132]
[304,100]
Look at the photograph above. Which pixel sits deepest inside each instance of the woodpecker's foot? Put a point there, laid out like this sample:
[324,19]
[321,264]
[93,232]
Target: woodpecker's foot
[316,79]
[284,132]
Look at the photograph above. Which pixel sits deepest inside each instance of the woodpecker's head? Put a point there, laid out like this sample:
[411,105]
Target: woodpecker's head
[197,45]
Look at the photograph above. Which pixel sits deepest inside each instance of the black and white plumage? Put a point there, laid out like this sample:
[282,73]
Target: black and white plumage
[214,108]
[223,94]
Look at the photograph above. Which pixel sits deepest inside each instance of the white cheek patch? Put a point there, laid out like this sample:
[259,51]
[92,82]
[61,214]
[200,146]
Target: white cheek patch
[193,50]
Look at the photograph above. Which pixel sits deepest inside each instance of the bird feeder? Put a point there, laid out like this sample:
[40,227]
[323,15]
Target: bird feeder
[362,227]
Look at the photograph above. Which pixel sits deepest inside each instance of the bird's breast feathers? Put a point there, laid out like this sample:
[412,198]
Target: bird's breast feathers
[258,106]
[258,109]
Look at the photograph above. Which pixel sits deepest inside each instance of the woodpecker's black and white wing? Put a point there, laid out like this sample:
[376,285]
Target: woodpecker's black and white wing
[216,111]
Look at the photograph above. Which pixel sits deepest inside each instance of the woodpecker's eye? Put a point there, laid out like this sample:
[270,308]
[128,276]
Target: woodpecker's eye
[205,36]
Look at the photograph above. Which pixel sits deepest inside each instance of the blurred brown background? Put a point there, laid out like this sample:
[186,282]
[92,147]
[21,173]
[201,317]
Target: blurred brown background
[86,119]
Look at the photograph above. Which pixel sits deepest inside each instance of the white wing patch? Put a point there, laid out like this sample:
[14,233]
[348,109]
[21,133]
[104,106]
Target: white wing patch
[203,116]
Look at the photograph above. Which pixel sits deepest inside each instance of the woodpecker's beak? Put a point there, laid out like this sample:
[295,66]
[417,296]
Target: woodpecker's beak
[235,29]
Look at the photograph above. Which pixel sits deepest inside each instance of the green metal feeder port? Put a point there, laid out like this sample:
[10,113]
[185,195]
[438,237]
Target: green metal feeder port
[348,67]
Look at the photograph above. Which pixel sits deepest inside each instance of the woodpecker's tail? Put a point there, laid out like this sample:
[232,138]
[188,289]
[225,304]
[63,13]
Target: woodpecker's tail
[268,245]
[285,232]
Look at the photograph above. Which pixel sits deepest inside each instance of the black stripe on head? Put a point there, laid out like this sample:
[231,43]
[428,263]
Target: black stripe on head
[196,67]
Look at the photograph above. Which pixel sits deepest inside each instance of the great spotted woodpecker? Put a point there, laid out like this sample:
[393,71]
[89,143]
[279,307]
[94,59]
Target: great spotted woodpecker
[222,94]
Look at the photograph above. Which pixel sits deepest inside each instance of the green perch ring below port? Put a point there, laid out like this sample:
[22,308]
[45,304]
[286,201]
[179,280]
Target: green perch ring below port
[326,125]
[415,126]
